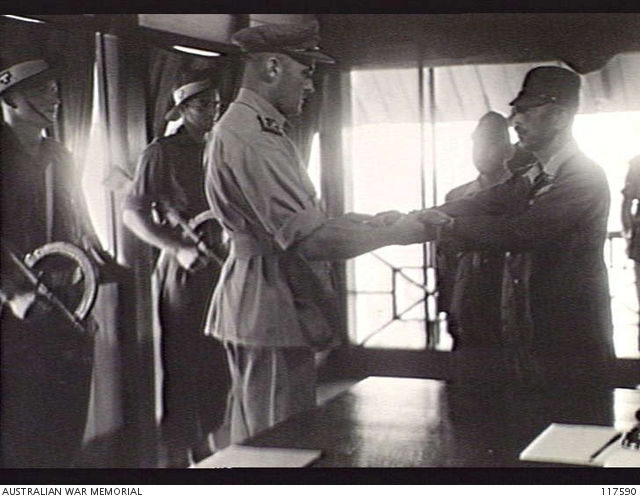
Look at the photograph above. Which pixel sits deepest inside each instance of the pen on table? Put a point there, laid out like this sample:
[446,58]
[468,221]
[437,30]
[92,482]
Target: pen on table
[601,449]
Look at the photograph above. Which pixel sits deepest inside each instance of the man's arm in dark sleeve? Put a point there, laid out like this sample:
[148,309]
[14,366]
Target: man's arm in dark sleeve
[504,198]
[551,214]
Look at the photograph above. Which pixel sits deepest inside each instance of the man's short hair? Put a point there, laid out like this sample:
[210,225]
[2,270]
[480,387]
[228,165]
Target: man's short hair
[492,125]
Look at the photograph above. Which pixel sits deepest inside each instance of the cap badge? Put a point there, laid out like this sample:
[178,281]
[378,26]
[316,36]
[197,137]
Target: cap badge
[5,78]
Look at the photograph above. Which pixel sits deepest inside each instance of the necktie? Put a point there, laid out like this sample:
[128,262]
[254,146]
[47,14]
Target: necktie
[540,179]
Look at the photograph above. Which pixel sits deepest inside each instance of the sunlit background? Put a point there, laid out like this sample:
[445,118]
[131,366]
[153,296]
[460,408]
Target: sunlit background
[387,158]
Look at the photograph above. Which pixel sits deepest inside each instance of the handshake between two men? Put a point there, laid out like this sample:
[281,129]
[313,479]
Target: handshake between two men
[416,226]
[354,234]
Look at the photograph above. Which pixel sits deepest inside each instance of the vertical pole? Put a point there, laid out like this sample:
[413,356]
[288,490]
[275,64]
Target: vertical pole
[432,289]
[423,192]
[428,249]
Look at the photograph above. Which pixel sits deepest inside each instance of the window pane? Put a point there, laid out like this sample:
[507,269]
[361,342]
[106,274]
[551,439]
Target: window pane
[385,174]
[390,153]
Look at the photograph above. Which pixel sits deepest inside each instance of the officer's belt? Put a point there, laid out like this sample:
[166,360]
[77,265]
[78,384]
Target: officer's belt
[246,245]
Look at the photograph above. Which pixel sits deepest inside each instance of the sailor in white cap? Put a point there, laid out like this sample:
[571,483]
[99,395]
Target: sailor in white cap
[46,363]
[170,180]
[30,95]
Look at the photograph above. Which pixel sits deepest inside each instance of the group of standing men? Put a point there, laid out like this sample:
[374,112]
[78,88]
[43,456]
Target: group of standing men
[547,217]
[274,297]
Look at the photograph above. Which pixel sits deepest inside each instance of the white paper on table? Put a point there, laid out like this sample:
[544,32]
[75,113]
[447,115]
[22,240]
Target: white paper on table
[618,456]
[571,444]
[242,456]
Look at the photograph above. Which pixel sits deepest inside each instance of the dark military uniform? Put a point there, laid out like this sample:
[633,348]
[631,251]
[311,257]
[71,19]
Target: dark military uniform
[474,293]
[46,363]
[195,375]
[561,222]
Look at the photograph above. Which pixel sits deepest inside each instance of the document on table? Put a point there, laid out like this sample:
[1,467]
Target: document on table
[242,456]
[621,457]
[574,444]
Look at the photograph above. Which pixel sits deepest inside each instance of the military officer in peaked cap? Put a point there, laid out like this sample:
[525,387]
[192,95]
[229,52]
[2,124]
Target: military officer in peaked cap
[554,216]
[274,305]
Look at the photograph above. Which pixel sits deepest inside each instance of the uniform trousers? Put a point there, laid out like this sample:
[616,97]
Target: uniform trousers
[46,384]
[269,385]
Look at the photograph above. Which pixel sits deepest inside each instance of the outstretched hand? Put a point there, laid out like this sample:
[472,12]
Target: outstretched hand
[419,226]
[432,216]
[385,218]
[381,219]
[409,230]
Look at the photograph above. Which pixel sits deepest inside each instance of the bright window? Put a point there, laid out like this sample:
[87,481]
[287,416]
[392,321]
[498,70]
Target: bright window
[95,169]
[392,154]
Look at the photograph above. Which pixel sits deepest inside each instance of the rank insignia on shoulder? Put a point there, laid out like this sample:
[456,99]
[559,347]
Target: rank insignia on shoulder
[270,125]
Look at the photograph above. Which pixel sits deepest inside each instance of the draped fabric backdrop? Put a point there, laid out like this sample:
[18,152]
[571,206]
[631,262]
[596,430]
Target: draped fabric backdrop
[466,92]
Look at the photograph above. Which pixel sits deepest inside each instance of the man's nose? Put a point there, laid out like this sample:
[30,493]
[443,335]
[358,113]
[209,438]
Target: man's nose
[514,118]
[309,87]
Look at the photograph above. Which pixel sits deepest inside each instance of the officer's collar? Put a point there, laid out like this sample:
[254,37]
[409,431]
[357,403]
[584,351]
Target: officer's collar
[261,105]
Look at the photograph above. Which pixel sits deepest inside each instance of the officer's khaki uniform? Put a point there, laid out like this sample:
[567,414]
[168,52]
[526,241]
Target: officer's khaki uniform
[258,187]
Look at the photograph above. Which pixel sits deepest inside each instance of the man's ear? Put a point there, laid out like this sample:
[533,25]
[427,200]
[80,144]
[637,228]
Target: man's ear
[273,68]
[562,117]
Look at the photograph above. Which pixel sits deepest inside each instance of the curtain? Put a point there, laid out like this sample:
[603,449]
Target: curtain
[76,87]
[120,429]
[466,92]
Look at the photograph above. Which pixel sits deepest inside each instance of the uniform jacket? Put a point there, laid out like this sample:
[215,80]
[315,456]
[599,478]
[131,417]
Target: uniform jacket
[471,281]
[258,187]
[562,224]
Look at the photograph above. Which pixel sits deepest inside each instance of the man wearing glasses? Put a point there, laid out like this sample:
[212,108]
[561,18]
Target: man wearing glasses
[554,216]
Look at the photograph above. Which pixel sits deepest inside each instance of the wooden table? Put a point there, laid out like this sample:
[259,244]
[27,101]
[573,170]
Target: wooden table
[409,422]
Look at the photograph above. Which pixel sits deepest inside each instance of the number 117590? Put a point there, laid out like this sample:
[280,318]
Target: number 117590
[618,491]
